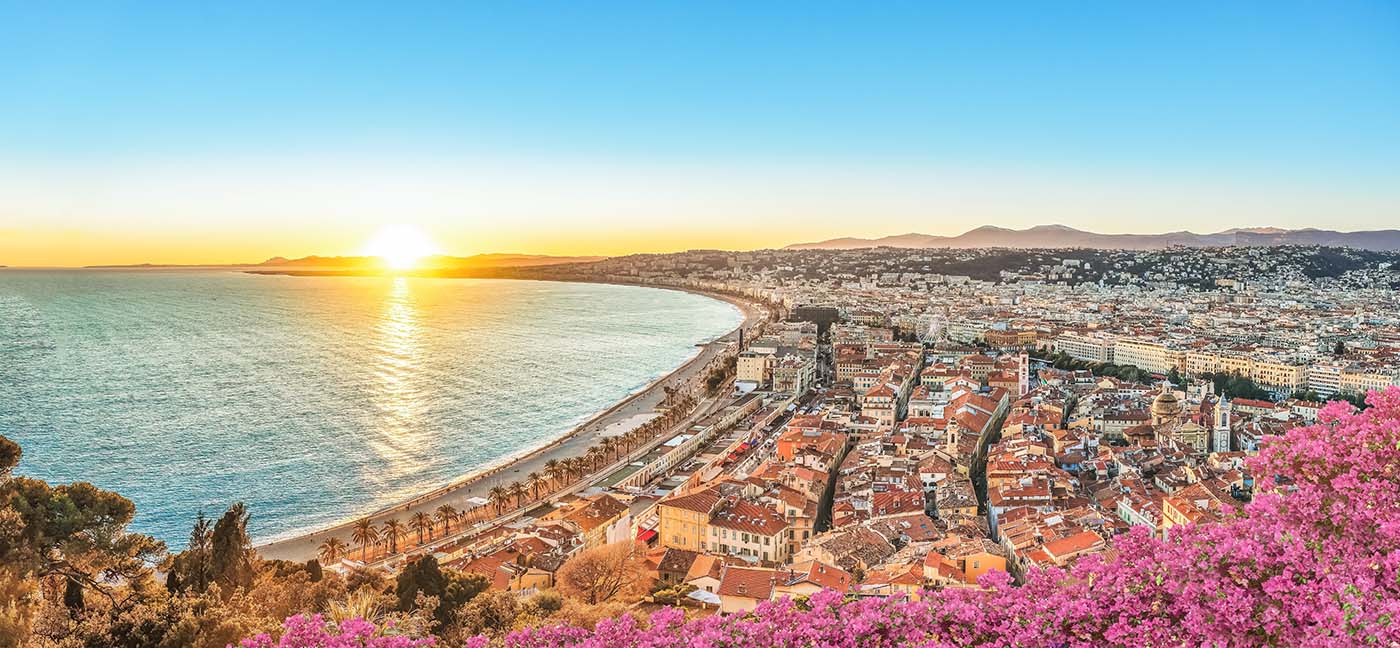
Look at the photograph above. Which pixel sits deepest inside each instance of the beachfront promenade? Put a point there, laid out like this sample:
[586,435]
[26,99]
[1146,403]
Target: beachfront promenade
[626,415]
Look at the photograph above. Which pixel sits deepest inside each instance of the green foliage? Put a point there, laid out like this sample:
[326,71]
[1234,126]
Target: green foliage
[313,568]
[422,575]
[230,551]
[191,569]
[546,603]
[493,613]
[72,576]
[1233,386]
[71,537]
[15,615]
[721,374]
[219,555]
[1064,362]
[671,594]
[73,595]
[10,454]
[77,531]
[1358,401]
[461,589]
[452,589]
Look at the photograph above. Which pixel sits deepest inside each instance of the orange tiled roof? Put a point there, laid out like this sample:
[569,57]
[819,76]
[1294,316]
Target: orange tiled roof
[747,582]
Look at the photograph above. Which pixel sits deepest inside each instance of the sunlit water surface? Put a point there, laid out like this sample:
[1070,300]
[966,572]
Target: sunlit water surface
[312,399]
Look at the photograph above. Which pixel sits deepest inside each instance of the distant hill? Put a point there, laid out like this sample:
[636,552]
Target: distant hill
[1060,236]
[374,263]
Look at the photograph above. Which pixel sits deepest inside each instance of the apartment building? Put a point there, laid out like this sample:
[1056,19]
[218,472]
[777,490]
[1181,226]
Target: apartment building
[1090,348]
[1148,354]
[1271,374]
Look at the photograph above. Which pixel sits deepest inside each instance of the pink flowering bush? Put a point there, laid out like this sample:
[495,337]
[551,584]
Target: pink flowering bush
[1313,560]
[315,632]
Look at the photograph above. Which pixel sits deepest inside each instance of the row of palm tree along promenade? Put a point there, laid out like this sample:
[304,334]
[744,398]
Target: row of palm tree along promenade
[479,507]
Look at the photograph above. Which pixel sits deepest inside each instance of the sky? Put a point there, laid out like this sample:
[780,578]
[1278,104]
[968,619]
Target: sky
[185,132]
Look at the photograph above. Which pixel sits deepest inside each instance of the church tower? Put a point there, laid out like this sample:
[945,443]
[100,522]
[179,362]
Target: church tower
[1023,374]
[1220,434]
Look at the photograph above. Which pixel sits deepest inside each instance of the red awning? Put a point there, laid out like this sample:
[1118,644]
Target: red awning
[646,535]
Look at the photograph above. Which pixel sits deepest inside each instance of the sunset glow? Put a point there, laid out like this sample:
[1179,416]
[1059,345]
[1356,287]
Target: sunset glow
[402,247]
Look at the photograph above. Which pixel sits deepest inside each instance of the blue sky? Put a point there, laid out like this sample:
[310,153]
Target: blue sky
[1215,104]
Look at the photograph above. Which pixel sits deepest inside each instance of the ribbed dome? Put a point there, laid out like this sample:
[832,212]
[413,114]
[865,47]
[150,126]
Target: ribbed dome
[1167,405]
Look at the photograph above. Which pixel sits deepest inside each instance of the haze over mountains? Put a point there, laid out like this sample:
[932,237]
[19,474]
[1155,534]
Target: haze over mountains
[442,262]
[1060,236]
[436,262]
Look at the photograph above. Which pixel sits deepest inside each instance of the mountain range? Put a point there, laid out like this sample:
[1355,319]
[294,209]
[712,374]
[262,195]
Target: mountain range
[1060,236]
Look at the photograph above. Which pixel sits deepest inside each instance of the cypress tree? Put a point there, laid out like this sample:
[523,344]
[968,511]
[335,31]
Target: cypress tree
[313,569]
[422,575]
[231,553]
[195,561]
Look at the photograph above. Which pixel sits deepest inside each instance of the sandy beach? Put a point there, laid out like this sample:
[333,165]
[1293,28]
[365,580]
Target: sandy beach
[627,414]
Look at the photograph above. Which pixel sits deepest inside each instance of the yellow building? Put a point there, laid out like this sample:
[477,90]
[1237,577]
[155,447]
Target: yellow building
[1148,355]
[684,519]
[1267,373]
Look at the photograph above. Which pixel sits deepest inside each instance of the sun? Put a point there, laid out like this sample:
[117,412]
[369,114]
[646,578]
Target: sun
[401,247]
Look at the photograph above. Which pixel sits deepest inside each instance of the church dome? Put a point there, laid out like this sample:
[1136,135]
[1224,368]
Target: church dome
[1167,405]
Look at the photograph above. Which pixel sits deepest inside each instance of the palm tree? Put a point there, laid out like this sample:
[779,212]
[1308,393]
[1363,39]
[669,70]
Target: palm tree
[517,490]
[552,469]
[421,522]
[394,530]
[332,550]
[499,495]
[579,465]
[533,481]
[445,515]
[365,534]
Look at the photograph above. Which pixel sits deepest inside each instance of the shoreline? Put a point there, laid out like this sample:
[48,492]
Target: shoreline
[303,545]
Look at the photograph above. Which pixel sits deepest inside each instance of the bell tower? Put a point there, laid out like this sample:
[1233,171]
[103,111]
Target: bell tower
[1023,374]
[1220,433]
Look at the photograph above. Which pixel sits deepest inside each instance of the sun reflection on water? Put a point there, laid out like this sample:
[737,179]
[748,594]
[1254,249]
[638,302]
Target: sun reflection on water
[399,440]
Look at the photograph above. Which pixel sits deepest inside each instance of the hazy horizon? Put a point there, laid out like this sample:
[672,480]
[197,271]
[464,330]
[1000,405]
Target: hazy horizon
[361,254]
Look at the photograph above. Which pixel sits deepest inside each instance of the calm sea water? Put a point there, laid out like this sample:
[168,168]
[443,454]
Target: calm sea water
[312,399]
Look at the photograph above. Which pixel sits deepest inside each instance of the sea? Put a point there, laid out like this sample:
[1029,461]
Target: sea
[313,399]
